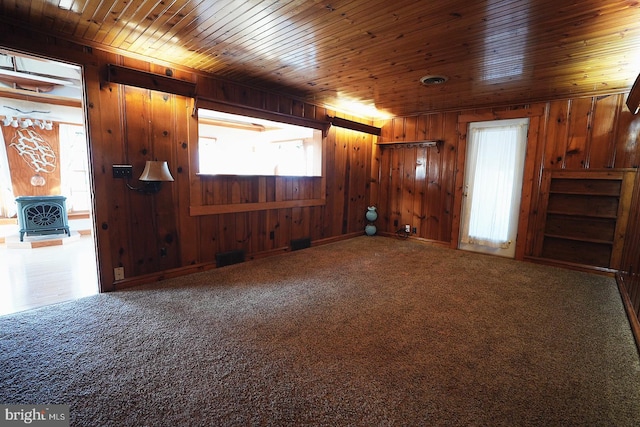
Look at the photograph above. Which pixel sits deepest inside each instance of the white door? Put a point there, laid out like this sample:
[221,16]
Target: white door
[492,186]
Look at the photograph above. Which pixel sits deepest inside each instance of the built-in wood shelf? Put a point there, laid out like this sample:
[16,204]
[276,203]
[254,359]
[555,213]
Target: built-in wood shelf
[584,216]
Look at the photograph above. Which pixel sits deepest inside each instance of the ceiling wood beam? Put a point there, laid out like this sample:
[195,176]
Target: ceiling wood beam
[349,124]
[131,77]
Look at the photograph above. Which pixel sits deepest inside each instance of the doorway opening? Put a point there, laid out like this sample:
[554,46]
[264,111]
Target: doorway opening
[493,185]
[44,157]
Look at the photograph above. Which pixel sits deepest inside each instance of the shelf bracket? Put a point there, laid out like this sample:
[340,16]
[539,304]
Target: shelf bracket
[437,143]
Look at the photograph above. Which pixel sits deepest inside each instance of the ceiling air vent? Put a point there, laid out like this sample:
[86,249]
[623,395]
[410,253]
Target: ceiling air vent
[433,80]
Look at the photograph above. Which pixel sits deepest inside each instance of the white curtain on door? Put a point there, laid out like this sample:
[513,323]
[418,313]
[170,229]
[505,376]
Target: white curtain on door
[7,198]
[493,162]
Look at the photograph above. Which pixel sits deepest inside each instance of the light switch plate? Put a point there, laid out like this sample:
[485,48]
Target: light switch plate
[122,171]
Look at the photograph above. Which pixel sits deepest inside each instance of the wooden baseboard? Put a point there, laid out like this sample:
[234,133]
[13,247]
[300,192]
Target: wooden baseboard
[415,238]
[628,306]
[161,275]
[196,268]
[573,266]
[336,238]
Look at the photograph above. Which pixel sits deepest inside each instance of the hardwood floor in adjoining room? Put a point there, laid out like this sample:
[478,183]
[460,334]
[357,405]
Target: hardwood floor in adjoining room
[35,277]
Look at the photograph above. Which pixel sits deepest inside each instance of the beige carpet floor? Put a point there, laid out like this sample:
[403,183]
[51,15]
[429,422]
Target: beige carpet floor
[371,331]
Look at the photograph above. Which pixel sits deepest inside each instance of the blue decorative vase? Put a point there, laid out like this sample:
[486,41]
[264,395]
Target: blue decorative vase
[370,229]
[371,214]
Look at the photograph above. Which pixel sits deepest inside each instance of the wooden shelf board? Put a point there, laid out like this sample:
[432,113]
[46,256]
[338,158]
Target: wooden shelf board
[582,215]
[584,193]
[579,239]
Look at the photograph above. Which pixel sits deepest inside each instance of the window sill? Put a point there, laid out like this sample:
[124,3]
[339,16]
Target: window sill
[250,207]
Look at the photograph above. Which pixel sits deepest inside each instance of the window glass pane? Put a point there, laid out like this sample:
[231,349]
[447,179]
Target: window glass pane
[74,168]
[238,145]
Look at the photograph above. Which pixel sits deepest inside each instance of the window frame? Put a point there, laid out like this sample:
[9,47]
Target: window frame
[197,207]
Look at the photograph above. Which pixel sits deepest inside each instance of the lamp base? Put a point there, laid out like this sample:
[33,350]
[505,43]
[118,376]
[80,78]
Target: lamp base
[149,187]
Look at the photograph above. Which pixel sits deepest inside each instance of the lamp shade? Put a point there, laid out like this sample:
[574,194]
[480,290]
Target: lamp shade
[156,171]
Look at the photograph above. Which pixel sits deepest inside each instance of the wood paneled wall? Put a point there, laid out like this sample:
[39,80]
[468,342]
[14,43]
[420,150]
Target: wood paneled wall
[160,233]
[415,184]
[629,275]
[423,186]
[155,236]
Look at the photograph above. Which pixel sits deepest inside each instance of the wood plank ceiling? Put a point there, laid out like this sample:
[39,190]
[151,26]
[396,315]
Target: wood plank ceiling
[374,52]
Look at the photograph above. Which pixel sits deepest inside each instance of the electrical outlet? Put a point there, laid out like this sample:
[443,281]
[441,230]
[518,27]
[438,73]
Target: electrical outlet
[407,228]
[118,273]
